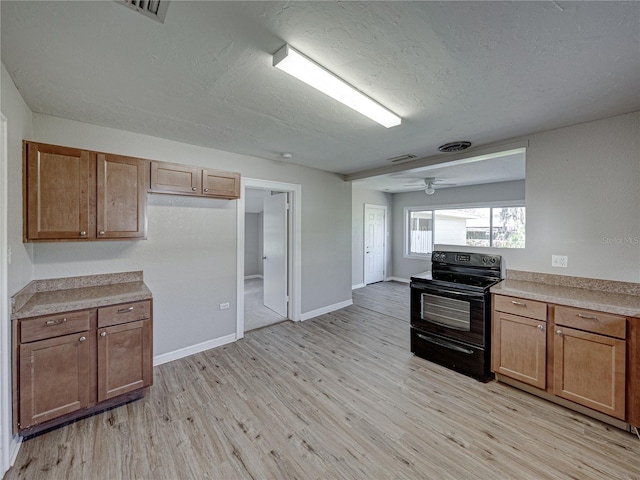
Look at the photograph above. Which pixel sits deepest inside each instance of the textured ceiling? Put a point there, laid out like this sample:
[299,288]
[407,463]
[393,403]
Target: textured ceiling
[477,71]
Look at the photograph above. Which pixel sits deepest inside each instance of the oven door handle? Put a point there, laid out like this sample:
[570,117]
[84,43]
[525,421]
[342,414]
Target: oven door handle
[444,343]
[460,294]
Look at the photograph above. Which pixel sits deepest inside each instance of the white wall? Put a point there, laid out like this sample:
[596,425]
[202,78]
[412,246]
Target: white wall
[252,234]
[491,192]
[19,267]
[359,197]
[189,257]
[583,200]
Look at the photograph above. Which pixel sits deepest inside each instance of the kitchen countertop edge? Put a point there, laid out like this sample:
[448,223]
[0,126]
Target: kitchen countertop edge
[81,296]
[608,302]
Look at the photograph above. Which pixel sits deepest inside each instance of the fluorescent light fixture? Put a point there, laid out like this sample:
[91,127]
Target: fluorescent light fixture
[296,64]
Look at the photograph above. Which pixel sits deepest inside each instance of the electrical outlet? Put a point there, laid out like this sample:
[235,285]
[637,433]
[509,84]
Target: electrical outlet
[561,261]
[224,306]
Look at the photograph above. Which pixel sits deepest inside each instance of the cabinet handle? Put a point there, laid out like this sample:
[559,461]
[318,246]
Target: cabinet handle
[520,304]
[58,321]
[193,189]
[103,334]
[125,310]
[559,332]
[540,327]
[83,339]
[587,317]
[83,233]
[101,232]
[206,189]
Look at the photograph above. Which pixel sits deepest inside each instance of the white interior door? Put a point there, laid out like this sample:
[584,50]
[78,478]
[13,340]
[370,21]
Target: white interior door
[275,253]
[374,243]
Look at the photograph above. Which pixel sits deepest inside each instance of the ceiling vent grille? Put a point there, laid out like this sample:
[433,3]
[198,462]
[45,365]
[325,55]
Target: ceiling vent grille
[402,158]
[156,9]
[454,147]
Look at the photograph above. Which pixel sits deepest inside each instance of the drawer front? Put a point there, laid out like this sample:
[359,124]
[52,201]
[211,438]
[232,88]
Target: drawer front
[54,326]
[124,313]
[590,321]
[521,306]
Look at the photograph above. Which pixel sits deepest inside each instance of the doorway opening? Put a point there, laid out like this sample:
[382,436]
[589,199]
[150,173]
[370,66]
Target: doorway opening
[266,241]
[268,256]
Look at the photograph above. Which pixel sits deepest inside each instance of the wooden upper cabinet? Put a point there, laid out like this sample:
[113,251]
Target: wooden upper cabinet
[73,194]
[220,184]
[174,178]
[179,179]
[121,197]
[59,185]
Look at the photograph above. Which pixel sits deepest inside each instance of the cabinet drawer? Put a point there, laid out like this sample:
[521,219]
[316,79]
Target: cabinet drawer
[123,313]
[54,326]
[520,306]
[590,321]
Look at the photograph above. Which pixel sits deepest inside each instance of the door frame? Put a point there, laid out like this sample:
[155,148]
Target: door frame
[294,270]
[5,359]
[364,242]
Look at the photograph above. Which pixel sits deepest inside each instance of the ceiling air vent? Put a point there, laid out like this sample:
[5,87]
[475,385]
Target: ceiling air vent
[454,147]
[153,9]
[402,158]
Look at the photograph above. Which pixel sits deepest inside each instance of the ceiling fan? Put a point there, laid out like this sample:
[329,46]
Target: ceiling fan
[429,184]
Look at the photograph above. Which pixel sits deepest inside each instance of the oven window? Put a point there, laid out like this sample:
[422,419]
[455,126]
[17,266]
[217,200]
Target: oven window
[447,312]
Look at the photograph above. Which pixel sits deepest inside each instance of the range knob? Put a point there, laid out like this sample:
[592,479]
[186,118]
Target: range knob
[493,260]
[485,259]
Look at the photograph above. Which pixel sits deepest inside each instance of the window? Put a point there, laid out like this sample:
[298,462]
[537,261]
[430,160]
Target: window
[498,227]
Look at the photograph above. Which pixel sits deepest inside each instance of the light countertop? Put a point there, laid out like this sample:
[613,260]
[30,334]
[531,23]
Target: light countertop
[618,298]
[46,297]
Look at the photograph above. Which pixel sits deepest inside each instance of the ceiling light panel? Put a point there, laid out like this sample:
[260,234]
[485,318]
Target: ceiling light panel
[296,64]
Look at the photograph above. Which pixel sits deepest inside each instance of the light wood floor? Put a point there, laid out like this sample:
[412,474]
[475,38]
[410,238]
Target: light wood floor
[336,397]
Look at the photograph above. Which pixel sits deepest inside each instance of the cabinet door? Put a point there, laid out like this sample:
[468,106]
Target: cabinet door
[174,178]
[589,369]
[519,348]
[124,359]
[220,184]
[59,185]
[54,378]
[121,197]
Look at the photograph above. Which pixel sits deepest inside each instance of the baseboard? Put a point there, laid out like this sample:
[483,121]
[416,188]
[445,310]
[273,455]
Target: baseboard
[360,285]
[397,279]
[193,349]
[249,277]
[14,448]
[323,310]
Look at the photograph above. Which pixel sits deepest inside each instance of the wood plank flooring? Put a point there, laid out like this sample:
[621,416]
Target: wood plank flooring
[338,397]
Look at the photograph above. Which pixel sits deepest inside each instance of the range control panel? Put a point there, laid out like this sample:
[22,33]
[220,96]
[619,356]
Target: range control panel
[466,258]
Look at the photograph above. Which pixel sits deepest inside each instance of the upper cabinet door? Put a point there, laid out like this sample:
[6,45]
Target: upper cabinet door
[220,184]
[59,184]
[121,197]
[174,178]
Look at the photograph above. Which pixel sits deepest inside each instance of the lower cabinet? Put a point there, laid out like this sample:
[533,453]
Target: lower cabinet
[124,359]
[54,378]
[582,359]
[75,363]
[520,350]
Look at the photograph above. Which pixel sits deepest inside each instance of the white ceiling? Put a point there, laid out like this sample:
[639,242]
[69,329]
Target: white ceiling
[476,71]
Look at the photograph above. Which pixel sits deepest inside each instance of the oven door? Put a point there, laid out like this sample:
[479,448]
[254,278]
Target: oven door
[450,313]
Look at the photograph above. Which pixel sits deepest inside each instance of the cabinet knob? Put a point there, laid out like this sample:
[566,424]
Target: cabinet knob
[103,334]
[83,233]
[559,332]
[540,327]
[83,339]
[193,188]
[206,189]
[101,232]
